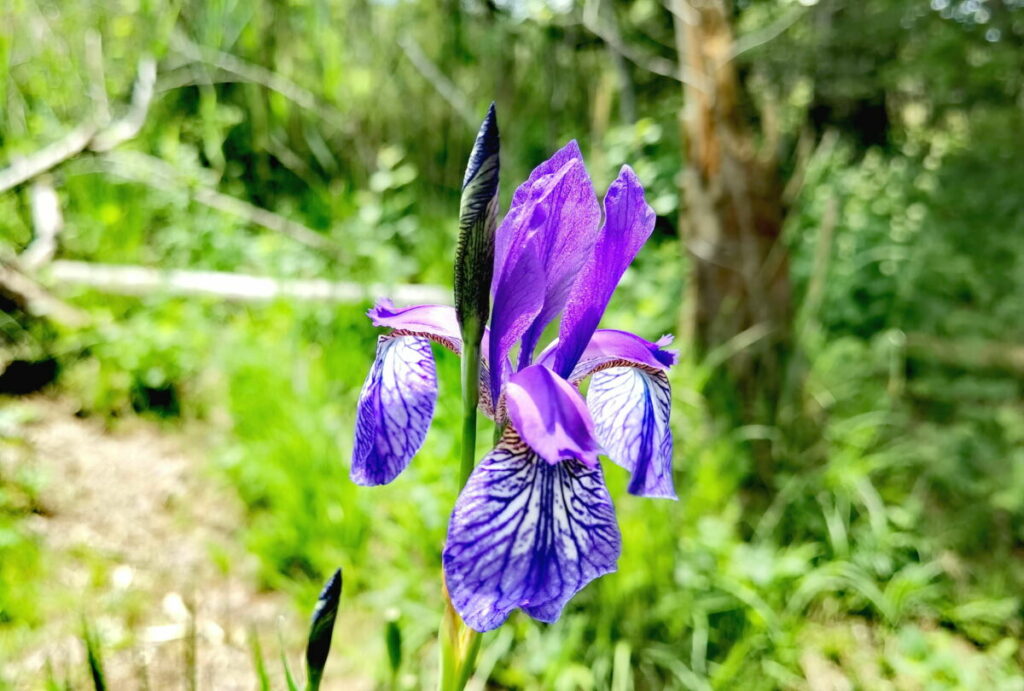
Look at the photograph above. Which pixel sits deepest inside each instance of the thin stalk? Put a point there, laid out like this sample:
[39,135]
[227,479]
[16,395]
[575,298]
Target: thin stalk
[470,401]
[459,643]
[473,641]
[459,646]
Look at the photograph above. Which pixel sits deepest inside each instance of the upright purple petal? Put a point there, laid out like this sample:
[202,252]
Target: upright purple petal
[631,407]
[395,408]
[518,299]
[551,416]
[627,225]
[436,322]
[549,230]
[527,534]
[513,228]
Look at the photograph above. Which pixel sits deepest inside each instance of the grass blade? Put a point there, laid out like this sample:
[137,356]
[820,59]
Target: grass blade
[95,660]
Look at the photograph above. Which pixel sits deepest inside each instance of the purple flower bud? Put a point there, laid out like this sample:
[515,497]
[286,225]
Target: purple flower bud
[474,257]
[321,629]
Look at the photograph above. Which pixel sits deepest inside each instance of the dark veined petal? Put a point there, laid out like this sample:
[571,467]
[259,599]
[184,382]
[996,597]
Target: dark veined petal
[627,225]
[436,322]
[527,534]
[551,416]
[540,247]
[395,408]
[474,256]
[631,408]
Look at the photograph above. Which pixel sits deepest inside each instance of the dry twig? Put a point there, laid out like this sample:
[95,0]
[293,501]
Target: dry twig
[140,280]
[149,170]
[444,86]
[89,135]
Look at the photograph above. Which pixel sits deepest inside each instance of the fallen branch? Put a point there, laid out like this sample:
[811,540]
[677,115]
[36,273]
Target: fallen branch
[140,280]
[126,127]
[47,222]
[30,297]
[89,135]
[24,169]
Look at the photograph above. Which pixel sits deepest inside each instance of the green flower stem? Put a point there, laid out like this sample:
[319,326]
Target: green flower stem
[470,401]
[469,662]
[459,647]
[460,644]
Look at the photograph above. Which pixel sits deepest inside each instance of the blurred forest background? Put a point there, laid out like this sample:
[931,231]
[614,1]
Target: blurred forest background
[840,249]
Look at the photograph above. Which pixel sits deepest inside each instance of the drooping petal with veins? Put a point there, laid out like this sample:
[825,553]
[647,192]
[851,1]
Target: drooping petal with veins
[631,408]
[395,408]
[527,534]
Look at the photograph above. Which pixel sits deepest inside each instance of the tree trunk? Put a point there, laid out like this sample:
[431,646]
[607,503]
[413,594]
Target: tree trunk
[738,303]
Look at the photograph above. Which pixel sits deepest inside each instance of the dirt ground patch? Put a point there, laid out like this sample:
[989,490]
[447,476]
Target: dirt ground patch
[139,539]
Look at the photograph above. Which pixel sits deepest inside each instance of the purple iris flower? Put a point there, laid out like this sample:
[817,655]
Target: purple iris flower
[535,522]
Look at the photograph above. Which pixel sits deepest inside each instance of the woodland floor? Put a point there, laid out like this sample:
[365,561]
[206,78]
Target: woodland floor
[141,540]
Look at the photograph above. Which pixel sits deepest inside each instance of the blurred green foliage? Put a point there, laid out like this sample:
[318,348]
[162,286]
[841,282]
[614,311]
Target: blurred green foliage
[890,551]
[21,564]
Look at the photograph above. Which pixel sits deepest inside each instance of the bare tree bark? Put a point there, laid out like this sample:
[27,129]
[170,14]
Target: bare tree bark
[731,224]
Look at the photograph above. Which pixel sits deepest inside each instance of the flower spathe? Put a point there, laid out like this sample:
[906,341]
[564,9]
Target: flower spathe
[535,523]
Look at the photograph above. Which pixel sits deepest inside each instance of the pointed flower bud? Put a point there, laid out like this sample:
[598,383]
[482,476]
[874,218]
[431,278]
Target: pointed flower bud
[322,628]
[474,258]
[393,640]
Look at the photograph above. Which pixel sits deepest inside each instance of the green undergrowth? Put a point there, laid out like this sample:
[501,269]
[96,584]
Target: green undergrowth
[888,548]
[877,537]
[21,558]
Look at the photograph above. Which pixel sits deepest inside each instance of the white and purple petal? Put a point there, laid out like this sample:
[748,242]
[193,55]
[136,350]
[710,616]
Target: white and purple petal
[551,416]
[395,408]
[527,534]
[627,225]
[630,407]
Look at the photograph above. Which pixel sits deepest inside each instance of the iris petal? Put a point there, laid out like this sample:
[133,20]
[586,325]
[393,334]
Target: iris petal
[436,322]
[514,228]
[628,223]
[551,416]
[527,534]
[439,324]
[395,408]
[631,408]
[517,302]
[543,242]
[612,348]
